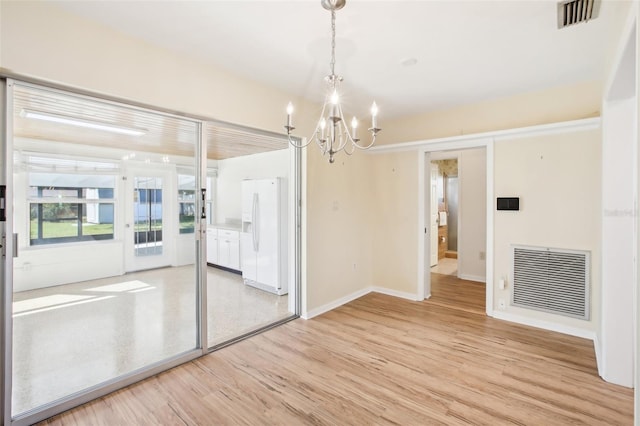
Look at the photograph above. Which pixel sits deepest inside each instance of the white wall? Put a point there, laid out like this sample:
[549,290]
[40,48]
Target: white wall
[557,178]
[620,244]
[472,235]
[50,266]
[232,171]
[616,331]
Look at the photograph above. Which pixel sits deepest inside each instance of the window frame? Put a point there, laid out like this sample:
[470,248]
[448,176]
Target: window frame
[79,202]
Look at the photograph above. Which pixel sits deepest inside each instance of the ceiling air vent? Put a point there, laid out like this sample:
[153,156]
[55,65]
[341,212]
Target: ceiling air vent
[576,11]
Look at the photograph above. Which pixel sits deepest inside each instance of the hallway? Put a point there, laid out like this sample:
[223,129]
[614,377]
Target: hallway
[449,291]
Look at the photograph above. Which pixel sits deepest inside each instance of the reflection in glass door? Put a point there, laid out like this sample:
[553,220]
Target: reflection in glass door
[94,211]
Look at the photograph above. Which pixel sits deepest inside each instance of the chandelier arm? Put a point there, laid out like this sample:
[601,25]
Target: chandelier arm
[373,140]
[295,145]
[346,151]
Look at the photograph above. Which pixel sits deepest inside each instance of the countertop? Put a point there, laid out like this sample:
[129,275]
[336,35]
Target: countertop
[227,226]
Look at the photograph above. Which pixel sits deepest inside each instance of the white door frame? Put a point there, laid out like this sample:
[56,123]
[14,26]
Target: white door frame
[6,266]
[433,199]
[424,205]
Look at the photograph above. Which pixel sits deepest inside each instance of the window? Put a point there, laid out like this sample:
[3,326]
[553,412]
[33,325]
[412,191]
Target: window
[70,207]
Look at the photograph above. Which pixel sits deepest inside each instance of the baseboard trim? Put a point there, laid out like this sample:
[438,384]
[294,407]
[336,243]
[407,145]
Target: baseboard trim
[334,304]
[545,325]
[476,278]
[355,295]
[395,293]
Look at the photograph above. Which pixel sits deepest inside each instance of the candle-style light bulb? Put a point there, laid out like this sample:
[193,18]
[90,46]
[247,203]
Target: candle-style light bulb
[323,124]
[289,112]
[354,128]
[374,114]
[333,111]
[334,97]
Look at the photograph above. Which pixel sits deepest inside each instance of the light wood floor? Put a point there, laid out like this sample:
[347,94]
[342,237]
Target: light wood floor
[452,292]
[378,360]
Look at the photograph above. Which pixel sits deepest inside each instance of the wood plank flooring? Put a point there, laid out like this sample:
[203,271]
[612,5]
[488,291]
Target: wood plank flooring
[378,360]
[452,292]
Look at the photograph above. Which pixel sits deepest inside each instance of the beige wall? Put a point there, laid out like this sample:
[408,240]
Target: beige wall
[340,209]
[558,180]
[394,213]
[392,268]
[580,100]
[472,235]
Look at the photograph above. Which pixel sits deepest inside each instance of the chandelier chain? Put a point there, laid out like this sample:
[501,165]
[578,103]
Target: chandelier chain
[333,41]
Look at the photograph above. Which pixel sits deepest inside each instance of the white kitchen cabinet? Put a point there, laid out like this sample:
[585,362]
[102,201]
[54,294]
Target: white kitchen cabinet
[212,245]
[227,248]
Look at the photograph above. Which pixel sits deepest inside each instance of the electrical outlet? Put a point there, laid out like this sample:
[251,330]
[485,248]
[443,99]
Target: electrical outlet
[502,304]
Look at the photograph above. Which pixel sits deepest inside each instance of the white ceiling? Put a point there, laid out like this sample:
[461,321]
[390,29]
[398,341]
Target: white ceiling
[466,51]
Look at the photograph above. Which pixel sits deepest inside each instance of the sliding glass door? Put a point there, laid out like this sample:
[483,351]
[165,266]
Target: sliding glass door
[130,243]
[251,260]
[104,284]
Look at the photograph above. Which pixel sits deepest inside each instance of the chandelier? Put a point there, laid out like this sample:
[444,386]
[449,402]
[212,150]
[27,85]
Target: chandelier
[332,134]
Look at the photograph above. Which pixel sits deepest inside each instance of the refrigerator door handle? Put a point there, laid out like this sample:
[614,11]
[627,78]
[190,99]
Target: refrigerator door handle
[254,223]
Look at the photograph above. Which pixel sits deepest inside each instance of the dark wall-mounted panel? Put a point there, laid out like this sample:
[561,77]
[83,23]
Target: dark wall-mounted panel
[508,203]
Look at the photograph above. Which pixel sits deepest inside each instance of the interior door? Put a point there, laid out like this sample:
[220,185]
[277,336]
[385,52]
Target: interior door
[434,214]
[148,229]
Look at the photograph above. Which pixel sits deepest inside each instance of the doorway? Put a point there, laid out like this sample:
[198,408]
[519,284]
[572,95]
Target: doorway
[458,206]
[147,222]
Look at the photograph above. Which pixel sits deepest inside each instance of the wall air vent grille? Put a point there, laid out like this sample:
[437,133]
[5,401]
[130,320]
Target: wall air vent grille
[551,280]
[576,11]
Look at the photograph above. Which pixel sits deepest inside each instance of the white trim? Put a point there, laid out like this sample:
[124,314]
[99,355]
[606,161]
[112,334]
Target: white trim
[395,293]
[424,283]
[356,295]
[626,34]
[304,294]
[597,346]
[471,140]
[335,304]
[545,325]
[423,252]
[490,232]
[476,278]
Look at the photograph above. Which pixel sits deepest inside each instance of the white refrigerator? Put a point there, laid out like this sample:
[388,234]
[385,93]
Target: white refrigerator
[264,239]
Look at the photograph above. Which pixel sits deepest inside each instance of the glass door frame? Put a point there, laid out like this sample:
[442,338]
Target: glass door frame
[296,189]
[7,84]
